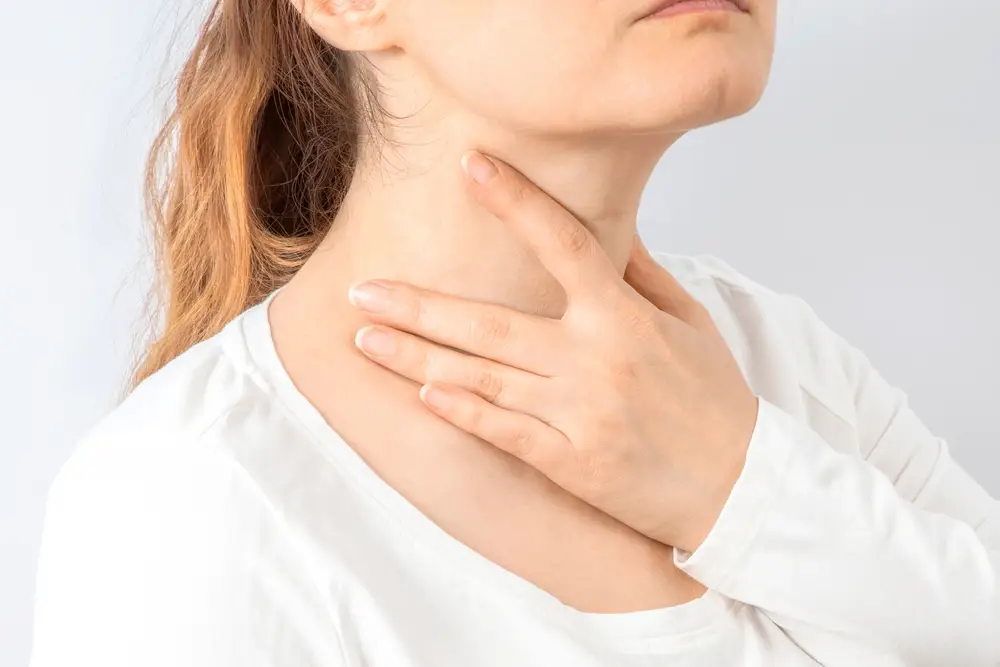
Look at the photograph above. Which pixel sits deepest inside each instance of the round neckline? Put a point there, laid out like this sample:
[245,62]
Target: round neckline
[664,623]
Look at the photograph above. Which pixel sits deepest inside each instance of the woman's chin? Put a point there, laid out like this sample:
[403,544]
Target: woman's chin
[695,81]
[698,101]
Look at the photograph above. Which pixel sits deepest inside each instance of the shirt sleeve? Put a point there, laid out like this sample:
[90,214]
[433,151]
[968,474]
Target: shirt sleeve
[163,556]
[897,549]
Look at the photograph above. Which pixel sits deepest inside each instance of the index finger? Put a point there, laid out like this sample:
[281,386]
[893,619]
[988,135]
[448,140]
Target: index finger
[565,247]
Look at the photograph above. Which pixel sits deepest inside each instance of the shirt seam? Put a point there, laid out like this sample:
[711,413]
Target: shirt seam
[825,404]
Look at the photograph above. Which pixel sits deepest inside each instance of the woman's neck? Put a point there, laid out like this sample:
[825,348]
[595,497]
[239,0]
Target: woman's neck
[408,215]
[415,221]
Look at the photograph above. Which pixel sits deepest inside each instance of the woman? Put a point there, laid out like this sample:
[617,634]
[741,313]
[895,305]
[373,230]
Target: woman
[407,409]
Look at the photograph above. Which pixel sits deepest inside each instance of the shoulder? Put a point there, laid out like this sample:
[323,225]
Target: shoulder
[184,398]
[158,545]
[158,440]
[777,337]
[147,469]
[156,431]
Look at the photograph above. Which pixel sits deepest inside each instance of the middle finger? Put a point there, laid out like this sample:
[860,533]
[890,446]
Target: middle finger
[486,330]
[423,361]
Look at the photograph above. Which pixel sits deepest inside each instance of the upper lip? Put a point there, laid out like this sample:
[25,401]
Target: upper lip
[660,5]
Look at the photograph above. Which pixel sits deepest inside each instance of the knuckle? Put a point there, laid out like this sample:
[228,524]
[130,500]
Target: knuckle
[636,328]
[574,239]
[625,371]
[489,329]
[634,319]
[600,467]
[487,384]
[430,365]
[521,443]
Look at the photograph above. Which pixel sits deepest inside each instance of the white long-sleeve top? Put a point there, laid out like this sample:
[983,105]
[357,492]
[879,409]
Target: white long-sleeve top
[215,519]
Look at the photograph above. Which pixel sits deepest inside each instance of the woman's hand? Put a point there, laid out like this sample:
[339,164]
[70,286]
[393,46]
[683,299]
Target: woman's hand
[631,401]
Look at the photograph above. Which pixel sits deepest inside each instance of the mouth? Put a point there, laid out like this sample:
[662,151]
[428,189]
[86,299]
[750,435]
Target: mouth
[666,8]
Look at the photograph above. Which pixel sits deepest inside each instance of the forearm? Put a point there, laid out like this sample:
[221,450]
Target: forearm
[822,540]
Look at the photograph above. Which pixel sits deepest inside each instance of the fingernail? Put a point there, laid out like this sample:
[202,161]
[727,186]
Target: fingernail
[479,167]
[377,342]
[437,399]
[370,296]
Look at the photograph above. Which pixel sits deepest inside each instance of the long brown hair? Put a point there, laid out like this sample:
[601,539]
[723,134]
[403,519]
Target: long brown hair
[252,162]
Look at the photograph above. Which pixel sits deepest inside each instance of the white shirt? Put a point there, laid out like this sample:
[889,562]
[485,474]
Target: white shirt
[214,519]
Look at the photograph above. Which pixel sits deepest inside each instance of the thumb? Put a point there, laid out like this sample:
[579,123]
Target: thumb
[657,285]
[654,283]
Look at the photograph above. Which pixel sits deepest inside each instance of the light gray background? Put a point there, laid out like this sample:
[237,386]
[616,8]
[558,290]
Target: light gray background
[866,182]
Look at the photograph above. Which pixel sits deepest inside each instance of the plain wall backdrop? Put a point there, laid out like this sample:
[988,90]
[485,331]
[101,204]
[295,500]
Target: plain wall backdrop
[866,181]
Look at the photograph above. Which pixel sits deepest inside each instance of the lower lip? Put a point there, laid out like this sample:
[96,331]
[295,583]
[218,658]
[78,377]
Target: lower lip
[689,6]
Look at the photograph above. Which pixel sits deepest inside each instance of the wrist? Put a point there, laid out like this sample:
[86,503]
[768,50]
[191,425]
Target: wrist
[719,478]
